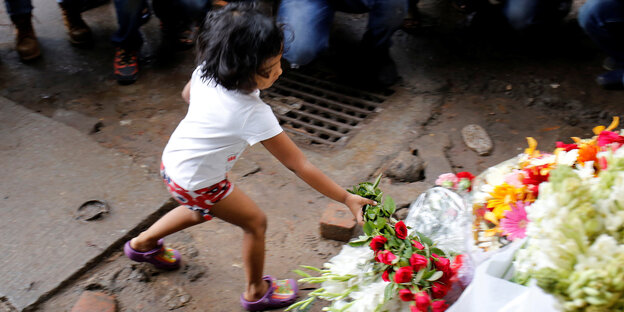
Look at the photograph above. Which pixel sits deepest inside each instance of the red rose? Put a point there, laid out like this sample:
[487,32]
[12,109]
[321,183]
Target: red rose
[464,175]
[385,257]
[439,290]
[441,263]
[418,245]
[403,275]
[422,301]
[439,306]
[386,275]
[378,243]
[406,295]
[418,262]
[401,230]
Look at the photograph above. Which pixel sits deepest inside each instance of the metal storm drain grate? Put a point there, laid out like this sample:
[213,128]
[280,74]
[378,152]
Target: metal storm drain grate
[318,110]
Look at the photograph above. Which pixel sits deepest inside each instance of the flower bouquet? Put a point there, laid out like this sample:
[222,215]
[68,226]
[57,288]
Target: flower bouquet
[575,248]
[389,268]
[562,216]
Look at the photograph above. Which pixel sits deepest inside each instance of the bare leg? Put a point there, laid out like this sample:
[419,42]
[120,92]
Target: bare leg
[240,210]
[175,220]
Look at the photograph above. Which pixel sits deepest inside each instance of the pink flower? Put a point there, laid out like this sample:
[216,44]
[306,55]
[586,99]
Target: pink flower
[418,262]
[439,306]
[515,178]
[401,230]
[422,301]
[447,180]
[608,137]
[403,275]
[385,257]
[418,245]
[406,295]
[377,243]
[515,221]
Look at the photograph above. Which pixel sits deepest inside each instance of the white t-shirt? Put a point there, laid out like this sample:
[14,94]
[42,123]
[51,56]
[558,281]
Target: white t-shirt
[218,127]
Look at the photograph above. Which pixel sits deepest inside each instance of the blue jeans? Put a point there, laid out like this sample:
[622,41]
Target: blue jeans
[308,23]
[531,14]
[132,14]
[16,7]
[603,21]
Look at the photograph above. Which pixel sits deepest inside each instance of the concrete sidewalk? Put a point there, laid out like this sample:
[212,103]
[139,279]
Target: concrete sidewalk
[49,170]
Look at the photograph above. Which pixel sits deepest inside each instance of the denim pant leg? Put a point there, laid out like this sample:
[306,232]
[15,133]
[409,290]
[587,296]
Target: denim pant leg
[129,20]
[306,29]
[384,18]
[603,21]
[15,7]
[526,14]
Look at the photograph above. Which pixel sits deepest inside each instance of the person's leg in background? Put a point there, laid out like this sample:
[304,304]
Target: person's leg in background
[603,21]
[131,14]
[535,15]
[306,29]
[384,18]
[78,31]
[26,44]
[178,18]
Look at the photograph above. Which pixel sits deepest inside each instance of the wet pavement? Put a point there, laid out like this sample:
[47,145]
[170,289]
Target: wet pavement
[451,78]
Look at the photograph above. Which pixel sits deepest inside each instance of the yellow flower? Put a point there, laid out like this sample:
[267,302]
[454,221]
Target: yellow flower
[502,196]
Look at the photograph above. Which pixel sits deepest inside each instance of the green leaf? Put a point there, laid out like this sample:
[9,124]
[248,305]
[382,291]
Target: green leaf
[438,252]
[376,184]
[426,240]
[368,228]
[419,276]
[389,292]
[357,243]
[427,274]
[304,274]
[311,268]
[435,276]
[380,223]
[389,206]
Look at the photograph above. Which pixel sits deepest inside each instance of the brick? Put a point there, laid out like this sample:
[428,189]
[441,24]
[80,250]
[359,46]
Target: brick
[337,223]
[94,301]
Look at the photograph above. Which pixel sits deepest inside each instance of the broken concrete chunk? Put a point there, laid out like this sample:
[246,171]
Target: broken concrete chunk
[406,167]
[83,123]
[477,139]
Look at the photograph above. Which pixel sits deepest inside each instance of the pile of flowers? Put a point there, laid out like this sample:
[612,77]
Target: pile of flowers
[389,268]
[575,246]
[503,193]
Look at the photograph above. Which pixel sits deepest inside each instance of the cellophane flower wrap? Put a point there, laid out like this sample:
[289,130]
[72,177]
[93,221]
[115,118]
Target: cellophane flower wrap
[575,246]
[389,268]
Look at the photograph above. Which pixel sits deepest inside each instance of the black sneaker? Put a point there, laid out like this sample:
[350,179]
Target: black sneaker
[126,66]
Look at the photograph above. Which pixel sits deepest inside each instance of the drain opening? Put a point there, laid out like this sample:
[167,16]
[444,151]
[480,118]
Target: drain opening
[319,110]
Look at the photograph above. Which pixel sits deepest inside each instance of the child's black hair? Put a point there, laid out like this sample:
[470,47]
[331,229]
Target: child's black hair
[234,42]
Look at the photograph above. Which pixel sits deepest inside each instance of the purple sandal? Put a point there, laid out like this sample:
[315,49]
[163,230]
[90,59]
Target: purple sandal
[161,257]
[281,293]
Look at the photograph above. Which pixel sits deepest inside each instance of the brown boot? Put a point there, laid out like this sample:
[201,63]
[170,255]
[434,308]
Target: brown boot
[78,31]
[25,42]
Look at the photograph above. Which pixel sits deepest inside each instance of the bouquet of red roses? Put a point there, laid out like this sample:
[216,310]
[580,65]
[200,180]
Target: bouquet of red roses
[389,268]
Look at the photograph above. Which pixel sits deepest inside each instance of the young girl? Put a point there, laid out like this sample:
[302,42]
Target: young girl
[239,52]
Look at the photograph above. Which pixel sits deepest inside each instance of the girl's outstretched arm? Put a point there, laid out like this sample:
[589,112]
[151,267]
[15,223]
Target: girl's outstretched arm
[287,152]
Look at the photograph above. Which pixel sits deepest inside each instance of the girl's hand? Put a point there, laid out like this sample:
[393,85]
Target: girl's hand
[355,204]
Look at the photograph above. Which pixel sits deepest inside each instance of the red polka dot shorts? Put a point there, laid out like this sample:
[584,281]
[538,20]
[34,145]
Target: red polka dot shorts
[199,200]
